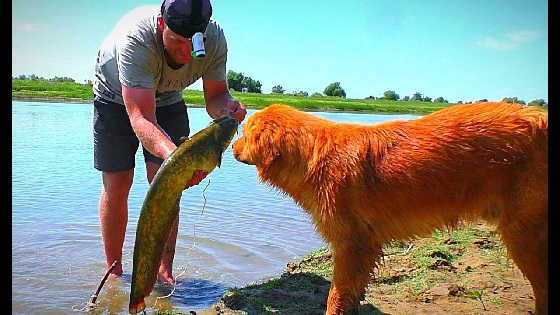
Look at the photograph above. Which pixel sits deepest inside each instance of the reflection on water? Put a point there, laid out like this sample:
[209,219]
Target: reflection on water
[232,231]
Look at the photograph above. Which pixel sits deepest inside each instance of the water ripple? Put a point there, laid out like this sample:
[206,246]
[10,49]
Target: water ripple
[233,229]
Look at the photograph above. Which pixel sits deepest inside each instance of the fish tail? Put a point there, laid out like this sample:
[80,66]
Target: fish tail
[134,308]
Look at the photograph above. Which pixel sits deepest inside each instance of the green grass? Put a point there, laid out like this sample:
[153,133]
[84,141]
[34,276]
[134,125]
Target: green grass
[328,103]
[67,90]
[48,89]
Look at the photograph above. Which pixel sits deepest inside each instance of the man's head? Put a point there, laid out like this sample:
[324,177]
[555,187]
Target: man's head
[180,20]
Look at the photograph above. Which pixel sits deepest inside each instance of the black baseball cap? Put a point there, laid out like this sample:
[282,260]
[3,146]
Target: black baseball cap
[186,17]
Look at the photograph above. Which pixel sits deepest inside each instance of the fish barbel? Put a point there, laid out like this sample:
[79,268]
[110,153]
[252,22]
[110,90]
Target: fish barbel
[192,159]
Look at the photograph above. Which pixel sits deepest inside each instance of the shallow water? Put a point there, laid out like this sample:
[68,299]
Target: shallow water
[233,229]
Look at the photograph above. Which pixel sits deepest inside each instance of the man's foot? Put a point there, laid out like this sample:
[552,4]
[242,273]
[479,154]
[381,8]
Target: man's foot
[116,272]
[165,277]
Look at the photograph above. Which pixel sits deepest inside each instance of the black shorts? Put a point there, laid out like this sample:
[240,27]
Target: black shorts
[115,143]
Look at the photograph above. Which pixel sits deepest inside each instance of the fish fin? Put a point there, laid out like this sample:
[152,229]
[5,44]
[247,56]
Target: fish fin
[134,308]
[181,140]
[220,155]
[219,119]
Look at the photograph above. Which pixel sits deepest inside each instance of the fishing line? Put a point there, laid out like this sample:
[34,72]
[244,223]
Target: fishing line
[190,249]
[92,303]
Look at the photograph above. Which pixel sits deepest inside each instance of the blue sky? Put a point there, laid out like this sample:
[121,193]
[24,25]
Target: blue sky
[460,50]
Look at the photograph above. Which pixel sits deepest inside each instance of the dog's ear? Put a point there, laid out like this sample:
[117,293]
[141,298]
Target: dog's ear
[267,146]
[271,156]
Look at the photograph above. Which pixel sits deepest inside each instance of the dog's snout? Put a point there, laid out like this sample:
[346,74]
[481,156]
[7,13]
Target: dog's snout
[239,151]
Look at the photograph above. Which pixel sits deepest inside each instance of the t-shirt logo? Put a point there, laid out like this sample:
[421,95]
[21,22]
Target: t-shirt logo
[177,85]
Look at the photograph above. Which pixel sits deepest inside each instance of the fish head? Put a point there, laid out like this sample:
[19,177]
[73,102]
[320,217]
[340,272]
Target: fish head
[223,130]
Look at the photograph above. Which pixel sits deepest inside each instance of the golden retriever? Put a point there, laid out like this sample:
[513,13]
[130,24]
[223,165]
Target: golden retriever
[365,185]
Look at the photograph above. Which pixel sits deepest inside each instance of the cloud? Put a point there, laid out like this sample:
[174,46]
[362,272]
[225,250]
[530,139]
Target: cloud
[509,40]
[522,36]
[26,27]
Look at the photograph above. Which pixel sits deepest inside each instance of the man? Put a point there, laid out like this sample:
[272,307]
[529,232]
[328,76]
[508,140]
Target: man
[141,70]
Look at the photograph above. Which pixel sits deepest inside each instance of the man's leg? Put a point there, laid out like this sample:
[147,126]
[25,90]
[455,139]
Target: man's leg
[113,214]
[115,146]
[165,273]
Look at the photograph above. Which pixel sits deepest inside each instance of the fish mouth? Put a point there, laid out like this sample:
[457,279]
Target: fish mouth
[225,119]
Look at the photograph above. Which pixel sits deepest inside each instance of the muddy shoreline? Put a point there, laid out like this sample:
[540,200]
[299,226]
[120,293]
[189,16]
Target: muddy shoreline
[467,271]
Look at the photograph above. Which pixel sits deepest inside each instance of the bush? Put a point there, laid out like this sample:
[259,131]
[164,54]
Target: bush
[278,89]
[512,100]
[390,95]
[300,93]
[416,97]
[538,102]
[334,89]
[237,81]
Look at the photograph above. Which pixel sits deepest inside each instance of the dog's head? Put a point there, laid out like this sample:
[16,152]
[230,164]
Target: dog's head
[258,144]
[280,137]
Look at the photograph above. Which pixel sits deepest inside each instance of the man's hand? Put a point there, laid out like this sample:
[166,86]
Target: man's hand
[197,177]
[235,109]
[220,103]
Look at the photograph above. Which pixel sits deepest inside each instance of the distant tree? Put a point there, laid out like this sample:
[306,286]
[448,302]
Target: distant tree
[482,100]
[369,97]
[61,79]
[459,102]
[406,98]
[21,77]
[390,95]
[278,89]
[416,97]
[252,86]
[539,102]
[512,100]
[509,99]
[334,89]
[440,100]
[300,93]
[235,80]
[426,99]
[317,94]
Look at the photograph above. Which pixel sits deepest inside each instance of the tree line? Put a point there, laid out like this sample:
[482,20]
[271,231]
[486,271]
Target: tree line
[242,83]
[34,77]
[239,82]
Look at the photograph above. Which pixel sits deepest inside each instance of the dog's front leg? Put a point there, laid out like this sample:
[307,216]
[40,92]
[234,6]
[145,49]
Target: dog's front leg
[352,268]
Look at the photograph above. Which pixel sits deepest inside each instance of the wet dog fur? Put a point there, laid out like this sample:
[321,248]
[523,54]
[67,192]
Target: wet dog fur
[365,185]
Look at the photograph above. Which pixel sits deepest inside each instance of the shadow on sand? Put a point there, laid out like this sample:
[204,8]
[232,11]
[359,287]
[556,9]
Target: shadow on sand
[299,293]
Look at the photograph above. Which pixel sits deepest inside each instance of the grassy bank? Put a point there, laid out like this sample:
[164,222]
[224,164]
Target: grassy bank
[42,90]
[463,271]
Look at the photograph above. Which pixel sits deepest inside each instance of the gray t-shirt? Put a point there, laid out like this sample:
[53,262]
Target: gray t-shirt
[133,56]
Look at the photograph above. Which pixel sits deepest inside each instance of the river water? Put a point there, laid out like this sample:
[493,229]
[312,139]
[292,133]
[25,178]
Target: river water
[233,230]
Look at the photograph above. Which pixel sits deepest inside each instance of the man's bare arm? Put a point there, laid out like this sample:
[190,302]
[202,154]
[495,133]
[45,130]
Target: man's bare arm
[141,107]
[219,102]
